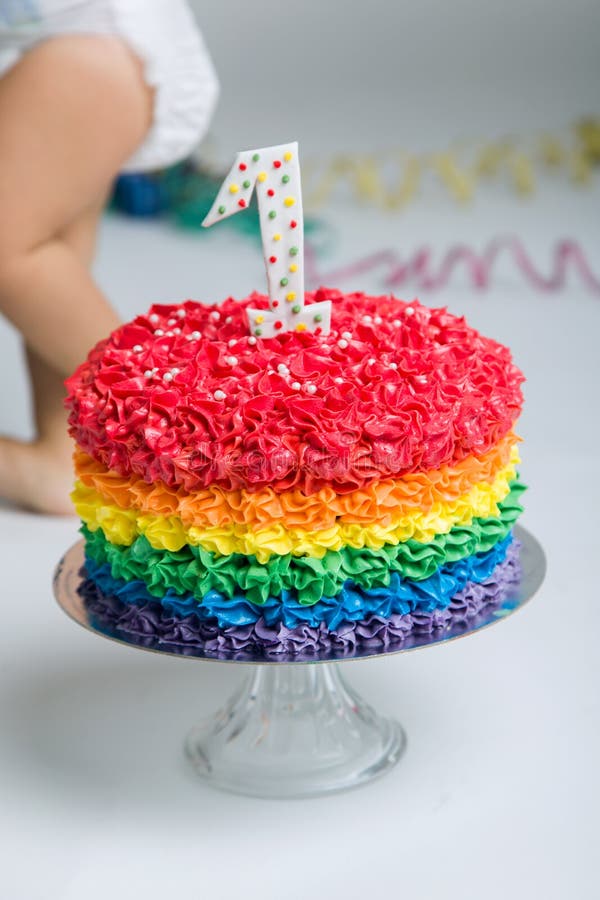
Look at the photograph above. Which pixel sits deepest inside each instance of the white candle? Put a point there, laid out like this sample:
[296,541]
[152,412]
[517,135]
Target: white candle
[275,172]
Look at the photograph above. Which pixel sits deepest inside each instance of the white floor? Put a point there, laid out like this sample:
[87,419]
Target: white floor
[498,793]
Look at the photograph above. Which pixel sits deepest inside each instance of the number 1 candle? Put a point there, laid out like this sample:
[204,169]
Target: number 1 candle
[275,173]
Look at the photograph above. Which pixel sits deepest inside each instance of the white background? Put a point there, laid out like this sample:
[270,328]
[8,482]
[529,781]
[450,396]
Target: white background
[330,72]
[498,793]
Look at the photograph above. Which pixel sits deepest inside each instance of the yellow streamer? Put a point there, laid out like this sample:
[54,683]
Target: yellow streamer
[391,180]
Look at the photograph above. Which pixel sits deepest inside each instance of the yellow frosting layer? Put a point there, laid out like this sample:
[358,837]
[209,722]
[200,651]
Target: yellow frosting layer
[170,532]
[381,502]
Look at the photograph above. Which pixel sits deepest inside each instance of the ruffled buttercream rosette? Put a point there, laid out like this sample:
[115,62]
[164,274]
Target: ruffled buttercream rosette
[185,396]
[151,622]
[301,481]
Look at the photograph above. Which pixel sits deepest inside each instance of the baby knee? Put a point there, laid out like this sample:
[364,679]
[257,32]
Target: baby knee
[15,261]
[9,269]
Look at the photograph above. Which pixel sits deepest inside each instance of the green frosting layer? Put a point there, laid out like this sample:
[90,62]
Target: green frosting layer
[193,570]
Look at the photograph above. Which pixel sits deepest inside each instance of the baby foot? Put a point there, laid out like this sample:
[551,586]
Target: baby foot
[37,476]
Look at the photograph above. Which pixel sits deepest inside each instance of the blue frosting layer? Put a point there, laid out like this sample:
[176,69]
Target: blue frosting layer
[351,605]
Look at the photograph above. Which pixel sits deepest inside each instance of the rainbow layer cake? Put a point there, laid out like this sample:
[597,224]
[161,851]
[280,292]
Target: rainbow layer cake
[306,493]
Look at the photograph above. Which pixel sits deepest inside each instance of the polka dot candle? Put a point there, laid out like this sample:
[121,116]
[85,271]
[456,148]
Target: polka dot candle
[281,222]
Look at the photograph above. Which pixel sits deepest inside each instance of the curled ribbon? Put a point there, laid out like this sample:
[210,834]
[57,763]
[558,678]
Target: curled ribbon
[422,273]
[394,178]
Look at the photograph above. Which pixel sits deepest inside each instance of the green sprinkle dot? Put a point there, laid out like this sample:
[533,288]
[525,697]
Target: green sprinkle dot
[318,318]
[221,209]
[246,184]
[296,309]
[256,157]
[285,178]
[257,332]
[272,214]
[293,251]
[283,282]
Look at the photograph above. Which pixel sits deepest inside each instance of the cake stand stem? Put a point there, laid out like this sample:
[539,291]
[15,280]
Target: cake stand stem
[294,731]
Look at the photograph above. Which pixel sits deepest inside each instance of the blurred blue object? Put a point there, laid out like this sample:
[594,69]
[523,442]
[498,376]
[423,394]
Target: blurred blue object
[184,193]
[140,195]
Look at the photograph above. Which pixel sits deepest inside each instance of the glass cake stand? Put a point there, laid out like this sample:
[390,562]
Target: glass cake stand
[294,728]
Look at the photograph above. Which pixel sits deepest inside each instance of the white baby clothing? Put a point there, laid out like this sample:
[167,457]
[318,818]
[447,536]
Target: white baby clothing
[165,37]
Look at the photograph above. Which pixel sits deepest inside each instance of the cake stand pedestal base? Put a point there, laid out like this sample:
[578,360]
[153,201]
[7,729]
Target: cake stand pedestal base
[294,731]
[294,728]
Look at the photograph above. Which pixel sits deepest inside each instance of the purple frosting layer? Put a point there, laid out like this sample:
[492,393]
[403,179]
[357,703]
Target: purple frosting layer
[151,625]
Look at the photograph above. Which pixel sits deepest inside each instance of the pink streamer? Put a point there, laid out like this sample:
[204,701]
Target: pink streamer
[420,272]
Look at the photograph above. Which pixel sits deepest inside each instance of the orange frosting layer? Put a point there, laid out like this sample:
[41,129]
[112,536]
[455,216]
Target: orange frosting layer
[381,502]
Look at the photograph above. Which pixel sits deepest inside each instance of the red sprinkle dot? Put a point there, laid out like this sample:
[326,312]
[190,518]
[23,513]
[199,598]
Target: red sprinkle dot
[277,163]
[242,167]
[241,203]
[272,259]
[318,330]
[275,304]
[277,325]
[271,192]
[293,223]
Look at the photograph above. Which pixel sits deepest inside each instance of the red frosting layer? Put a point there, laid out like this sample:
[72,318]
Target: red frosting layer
[394,388]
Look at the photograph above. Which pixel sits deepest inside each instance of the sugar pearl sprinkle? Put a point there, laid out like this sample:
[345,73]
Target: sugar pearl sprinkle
[347,335]
[181,313]
[219,395]
[295,385]
[232,360]
[138,348]
[310,388]
[342,344]
[283,369]
[154,318]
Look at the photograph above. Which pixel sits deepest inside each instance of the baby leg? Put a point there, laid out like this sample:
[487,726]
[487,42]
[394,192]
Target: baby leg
[71,112]
[38,474]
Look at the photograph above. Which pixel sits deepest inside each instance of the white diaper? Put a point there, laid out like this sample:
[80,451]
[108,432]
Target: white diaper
[162,33]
